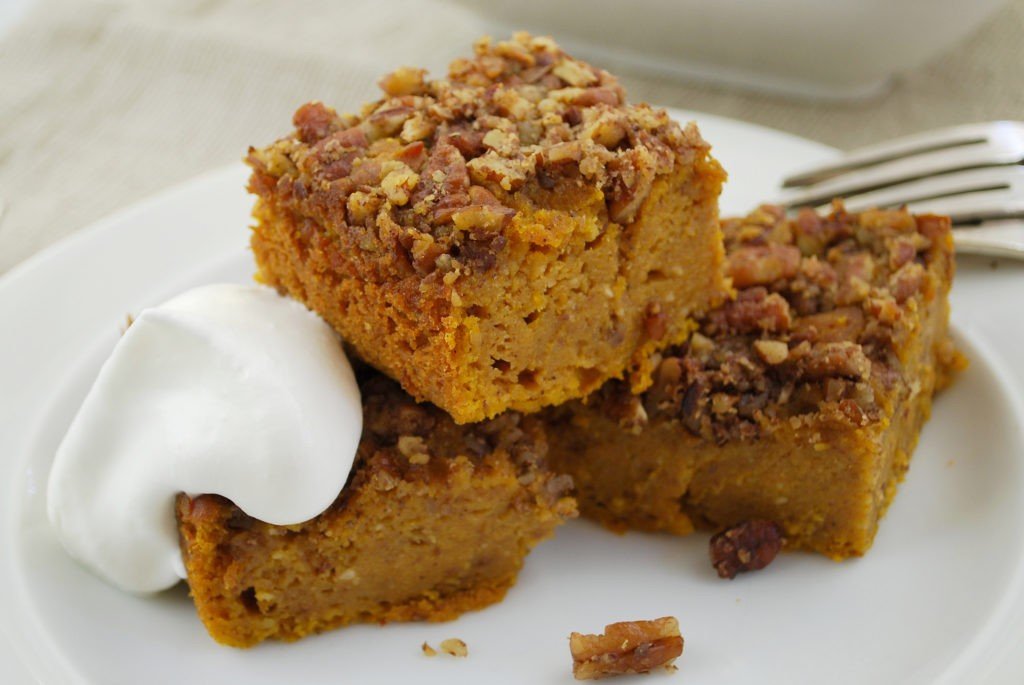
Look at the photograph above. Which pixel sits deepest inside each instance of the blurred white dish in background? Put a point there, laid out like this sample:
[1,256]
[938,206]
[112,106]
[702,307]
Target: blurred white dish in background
[12,12]
[832,49]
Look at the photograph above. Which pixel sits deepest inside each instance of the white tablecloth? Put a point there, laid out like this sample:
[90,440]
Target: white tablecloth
[103,102]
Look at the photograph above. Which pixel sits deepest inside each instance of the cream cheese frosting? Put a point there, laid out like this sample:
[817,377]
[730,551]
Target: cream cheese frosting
[225,389]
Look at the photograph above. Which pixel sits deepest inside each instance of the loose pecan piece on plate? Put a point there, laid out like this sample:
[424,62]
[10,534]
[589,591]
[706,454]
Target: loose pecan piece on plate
[626,647]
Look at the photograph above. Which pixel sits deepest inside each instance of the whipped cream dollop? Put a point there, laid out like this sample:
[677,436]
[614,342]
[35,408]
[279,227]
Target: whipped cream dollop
[225,389]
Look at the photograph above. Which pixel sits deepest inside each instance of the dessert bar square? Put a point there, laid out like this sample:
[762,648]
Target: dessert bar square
[510,237]
[800,401]
[434,521]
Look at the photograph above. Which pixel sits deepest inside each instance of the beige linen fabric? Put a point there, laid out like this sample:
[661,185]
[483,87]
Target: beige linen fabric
[103,102]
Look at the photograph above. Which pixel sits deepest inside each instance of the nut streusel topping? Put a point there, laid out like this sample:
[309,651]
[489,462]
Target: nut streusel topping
[431,166]
[821,304]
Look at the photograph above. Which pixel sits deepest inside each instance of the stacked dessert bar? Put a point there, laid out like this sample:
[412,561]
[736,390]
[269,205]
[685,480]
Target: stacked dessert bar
[499,241]
[799,401]
[520,258]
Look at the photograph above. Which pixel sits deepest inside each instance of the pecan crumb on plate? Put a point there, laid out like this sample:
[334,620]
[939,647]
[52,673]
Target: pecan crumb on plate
[626,647]
[747,546]
[455,647]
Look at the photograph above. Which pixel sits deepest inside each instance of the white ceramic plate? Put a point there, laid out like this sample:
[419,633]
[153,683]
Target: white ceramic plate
[939,596]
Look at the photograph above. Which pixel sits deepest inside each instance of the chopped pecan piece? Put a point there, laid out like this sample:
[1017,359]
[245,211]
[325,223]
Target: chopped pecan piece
[626,647]
[398,183]
[354,137]
[386,122]
[481,219]
[810,231]
[482,255]
[903,249]
[762,264]
[771,351]
[747,546]
[362,206]
[836,359]
[404,81]
[413,448]
[845,323]
[609,129]
[454,646]
[313,121]
[467,141]
[933,227]
[574,73]
[754,310]
[563,153]
[510,174]
[417,127]
[907,281]
[597,96]
[856,272]
[637,169]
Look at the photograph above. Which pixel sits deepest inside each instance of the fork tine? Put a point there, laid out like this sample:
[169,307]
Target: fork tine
[995,239]
[966,196]
[996,132]
[901,171]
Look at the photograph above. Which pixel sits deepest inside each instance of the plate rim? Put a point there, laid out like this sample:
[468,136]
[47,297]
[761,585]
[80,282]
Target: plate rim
[81,240]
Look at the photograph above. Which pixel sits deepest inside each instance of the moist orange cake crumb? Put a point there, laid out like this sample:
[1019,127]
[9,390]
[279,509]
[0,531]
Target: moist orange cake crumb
[509,237]
[798,402]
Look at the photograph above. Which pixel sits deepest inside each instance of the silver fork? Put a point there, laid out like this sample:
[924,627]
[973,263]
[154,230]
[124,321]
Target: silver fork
[973,173]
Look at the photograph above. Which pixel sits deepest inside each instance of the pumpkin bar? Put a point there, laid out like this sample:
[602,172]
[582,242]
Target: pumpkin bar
[509,237]
[799,402]
[434,521]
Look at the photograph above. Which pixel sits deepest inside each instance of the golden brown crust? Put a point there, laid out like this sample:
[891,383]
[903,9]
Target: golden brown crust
[435,521]
[800,401]
[450,230]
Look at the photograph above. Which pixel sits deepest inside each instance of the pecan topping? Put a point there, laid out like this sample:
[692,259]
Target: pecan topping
[404,81]
[753,310]
[844,359]
[481,220]
[772,351]
[454,646]
[626,647]
[413,448]
[313,121]
[762,264]
[517,114]
[574,73]
[805,335]
[467,141]
[747,546]
[398,183]
[845,323]
[907,282]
